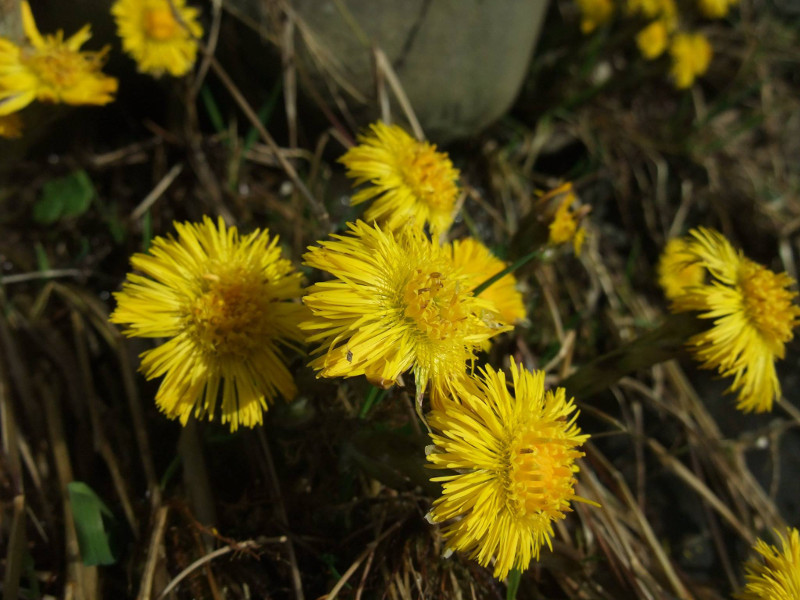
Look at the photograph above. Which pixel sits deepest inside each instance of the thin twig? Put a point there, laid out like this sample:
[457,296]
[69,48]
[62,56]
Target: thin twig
[46,274]
[211,556]
[156,192]
[383,65]
[211,46]
[297,582]
[146,586]
[361,557]
[316,206]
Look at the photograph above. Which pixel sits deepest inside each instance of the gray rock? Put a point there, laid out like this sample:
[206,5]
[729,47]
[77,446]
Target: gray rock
[460,62]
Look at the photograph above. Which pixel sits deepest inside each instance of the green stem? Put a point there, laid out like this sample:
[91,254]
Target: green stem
[374,396]
[512,584]
[509,269]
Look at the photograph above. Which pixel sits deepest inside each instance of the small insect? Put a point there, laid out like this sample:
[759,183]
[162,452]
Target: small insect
[349,356]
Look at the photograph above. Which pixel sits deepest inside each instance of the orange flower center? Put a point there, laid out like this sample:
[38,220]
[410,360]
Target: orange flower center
[430,176]
[436,304]
[767,302]
[160,23]
[540,471]
[228,318]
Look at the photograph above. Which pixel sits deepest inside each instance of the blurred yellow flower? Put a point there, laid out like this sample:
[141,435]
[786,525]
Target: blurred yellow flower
[397,302]
[665,11]
[776,574]
[653,39]
[476,261]
[160,35]
[51,69]
[565,226]
[753,318]
[678,269]
[594,13]
[691,54]
[514,457]
[227,304]
[410,182]
[11,126]
[715,9]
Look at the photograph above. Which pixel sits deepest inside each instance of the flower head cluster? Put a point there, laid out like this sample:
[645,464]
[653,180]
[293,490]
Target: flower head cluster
[160,35]
[666,29]
[410,182]
[51,69]
[775,575]
[753,316]
[396,302]
[691,55]
[514,460]
[226,304]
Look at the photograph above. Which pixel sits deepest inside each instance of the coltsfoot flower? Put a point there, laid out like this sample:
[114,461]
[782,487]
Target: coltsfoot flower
[753,318]
[476,260]
[716,9]
[775,575]
[653,40]
[227,304]
[160,35]
[565,225]
[678,269]
[51,69]
[409,181]
[594,13]
[691,54]
[396,302]
[514,455]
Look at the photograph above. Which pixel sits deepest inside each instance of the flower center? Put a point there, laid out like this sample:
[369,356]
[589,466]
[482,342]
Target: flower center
[435,303]
[160,24]
[58,68]
[767,302]
[228,318]
[540,471]
[429,175]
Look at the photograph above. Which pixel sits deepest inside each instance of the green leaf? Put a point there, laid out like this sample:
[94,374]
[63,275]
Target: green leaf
[67,196]
[87,513]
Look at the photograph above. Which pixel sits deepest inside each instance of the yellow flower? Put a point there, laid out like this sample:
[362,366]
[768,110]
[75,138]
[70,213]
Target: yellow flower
[397,302]
[652,40]
[514,457]
[476,260]
[226,304]
[594,13]
[753,318]
[678,269]
[715,9]
[664,11]
[565,224]
[691,55]
[411,183]
[776,575]
[11,126]
[51,69]
[160,35]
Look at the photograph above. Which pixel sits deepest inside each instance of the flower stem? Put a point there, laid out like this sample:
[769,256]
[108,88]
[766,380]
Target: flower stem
[509,269]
